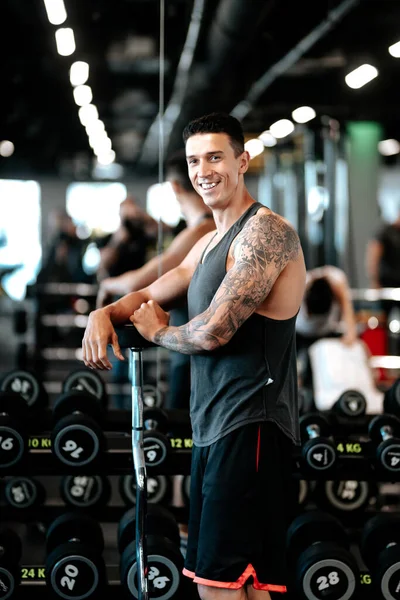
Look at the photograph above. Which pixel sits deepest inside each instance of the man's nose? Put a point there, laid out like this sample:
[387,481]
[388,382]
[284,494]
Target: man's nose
[204,169]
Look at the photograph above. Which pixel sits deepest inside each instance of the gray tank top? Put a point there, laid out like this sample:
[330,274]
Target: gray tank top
[254,376]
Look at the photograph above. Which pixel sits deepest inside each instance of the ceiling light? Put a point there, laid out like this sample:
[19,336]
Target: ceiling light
[6,148]
[394,50]
[107,158]
[281,128]
[56,12]
[94,127]
[267,139]
[254,147]
[88,113]
[360,76]
[389,147]
[79,73]
[303,114]
[65,41]
[83,95]
[102,147]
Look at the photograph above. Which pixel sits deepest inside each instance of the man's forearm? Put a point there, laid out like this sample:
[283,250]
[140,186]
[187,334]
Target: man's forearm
[120,311]
[185,340]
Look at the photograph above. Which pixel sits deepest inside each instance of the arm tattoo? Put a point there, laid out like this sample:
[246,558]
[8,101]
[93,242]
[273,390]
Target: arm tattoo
[262,250]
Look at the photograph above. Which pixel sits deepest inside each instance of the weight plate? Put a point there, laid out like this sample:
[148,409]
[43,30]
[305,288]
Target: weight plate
[77,441]
[87,381]
[85,491]
[27,385]
[23,492]
[12,446]
[157,488]
[155,448]
[347,495]
[7,584]
[352,403]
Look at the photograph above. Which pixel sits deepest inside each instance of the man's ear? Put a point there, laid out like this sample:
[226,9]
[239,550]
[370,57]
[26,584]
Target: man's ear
[244,162]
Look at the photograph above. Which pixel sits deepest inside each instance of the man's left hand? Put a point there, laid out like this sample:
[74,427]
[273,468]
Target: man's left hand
[149,318]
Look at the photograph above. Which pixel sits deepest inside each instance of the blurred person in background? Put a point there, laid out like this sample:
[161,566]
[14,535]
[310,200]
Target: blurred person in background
[383,256]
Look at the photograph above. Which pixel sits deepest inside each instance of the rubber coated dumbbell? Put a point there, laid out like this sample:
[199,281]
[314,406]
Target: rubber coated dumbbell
[28,386]
[384,431]
[158,489]
[24,492]
[156,445]
[346,497]
[391,402]
[164,558]
[13,430]
[90,382]
[318,552]
[75,567]
[318,452]
[380,550]
[85,491]
[350,404]
[10,555]
[77,439]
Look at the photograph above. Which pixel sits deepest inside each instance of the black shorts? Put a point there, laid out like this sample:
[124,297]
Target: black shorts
[242,499]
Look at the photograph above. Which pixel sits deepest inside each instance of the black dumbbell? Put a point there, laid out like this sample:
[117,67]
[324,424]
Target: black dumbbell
[391,401]
[320,559]
[10,555]
[384,431]
[349,497]
[158,489]
[28,386]
[318,452]
[164,558]
[13,430]
[75,567]
[77,438]
[305,492]
[152,395]
[90,382]
[350,404]
[185,489]
[24,492]
[156,445]
[85,491]
[380,550]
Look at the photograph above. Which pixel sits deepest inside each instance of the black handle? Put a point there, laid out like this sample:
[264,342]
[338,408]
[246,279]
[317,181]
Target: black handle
[129,337]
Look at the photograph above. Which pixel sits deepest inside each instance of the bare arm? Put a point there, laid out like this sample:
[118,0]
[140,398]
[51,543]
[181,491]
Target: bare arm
[261,251]
[373,257]
[342,293]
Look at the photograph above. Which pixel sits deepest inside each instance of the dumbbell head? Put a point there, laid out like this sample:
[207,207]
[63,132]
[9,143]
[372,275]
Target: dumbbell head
[13,426]
[351,403]
[314,419]
[319,453]
[24,492]
[159,521]
[28,386]
[158,489]
[391,402]
[343,497]
[152,396]
[85,491]
[75,568]
[155,418]
[77,401]
[10,555]
[388,451]
[90,382]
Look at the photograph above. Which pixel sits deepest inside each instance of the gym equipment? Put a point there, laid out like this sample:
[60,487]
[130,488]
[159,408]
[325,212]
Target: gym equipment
[129,337]
[87,381]
[24,492]
[85,491]
[152,396]
[28,386]
[306,490]
[318,452]
[156,445]
[323,566]
[77,439]
[74,566]
[384,430]
[350,404]
[158,489]
[10,555]
[380,549]
[391,401]
[185,489]
[13,437]
[164,558]
[344,497]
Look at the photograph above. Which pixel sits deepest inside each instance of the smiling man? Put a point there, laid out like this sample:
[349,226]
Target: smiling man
[244,283]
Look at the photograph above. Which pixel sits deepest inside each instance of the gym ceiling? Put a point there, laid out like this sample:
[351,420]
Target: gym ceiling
[258,58]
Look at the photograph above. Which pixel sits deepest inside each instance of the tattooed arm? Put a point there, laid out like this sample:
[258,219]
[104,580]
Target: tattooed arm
[261,251]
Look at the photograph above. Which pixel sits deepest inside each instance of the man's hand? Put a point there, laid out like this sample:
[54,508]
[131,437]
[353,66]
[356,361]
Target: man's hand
[104,297]
[99,334]
[149,318]
[349,338]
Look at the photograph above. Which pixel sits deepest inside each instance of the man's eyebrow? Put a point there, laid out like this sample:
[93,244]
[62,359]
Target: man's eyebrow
[206,154]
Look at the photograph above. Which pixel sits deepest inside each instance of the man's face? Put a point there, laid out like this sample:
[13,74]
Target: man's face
[213,168]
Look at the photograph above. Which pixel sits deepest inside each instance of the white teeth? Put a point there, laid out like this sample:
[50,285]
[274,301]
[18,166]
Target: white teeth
[208,186]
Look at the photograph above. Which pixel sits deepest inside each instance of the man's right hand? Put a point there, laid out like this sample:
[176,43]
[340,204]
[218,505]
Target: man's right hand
[99,333]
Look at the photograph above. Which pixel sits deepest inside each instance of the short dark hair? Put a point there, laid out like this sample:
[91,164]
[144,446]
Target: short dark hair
[319,297]
[176,167]
[218,123]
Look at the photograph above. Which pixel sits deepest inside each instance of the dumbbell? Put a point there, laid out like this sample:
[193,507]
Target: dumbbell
[164,558]
[380,550]
[346,497]
[77,438]
[319,557]
[185,489]
[28,386]
[87,381]
[384,431]
[10,555]
[13,430]
[391,401]
[75,568]
[152,395]
[85,491]
[156,445]
[158,489]
[318,452]
[350,404]
[24,492]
